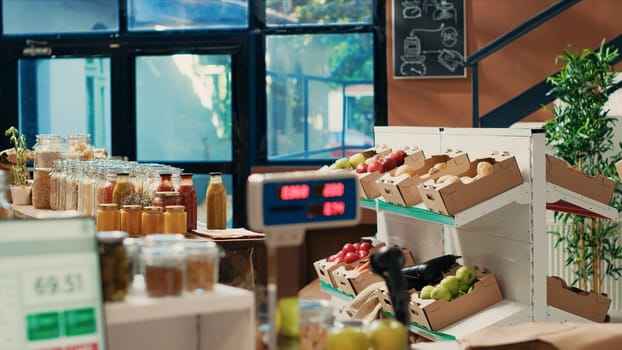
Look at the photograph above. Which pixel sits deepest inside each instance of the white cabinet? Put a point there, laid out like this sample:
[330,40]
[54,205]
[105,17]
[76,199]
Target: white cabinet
[506,234]
[221,319]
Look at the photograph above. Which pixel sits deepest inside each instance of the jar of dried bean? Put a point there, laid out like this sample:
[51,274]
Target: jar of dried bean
[163,269]
[202,263]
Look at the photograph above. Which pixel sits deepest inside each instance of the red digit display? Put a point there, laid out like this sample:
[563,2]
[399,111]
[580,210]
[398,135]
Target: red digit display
[334,208]
[333,189]
[294,192]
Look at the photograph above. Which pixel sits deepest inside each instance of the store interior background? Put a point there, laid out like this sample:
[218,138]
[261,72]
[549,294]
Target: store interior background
[406,102]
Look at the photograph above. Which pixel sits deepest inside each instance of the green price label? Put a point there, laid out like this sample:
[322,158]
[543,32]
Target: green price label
[43,326]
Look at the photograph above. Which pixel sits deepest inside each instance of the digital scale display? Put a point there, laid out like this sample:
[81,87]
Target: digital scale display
[304,198]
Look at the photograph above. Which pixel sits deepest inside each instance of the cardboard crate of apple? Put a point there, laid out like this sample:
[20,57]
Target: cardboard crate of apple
[352,278]
[350,253]
[400,187]
[463,292]
[373,168]
[484,179]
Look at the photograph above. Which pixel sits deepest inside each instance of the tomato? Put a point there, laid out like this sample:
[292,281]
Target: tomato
[348,247]
[339,259]
[363,253]
[357,246]
[350,257]
[366,246]
[341,254]
[331,258]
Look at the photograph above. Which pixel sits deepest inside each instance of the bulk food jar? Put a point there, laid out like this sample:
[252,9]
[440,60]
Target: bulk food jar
[163,269]
[202,264]
[81,144]
[114,265]
[47,149]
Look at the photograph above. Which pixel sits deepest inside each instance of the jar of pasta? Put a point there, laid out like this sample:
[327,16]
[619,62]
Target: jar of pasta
[131,217]
[202,263]
[175,219]
[152,220]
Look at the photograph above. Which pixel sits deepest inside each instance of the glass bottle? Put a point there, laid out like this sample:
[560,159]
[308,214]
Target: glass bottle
[62,186]
[107,187]
[175,219]
[216,200]
[166,183]
[188,198]
[55,178]
[5,208]
[122,188]
[47,149]
[152,220]
[71,193]
[108,217]
[130,219]
[81,143]
[85,197]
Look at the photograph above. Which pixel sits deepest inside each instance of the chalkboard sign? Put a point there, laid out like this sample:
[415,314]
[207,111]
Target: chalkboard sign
[428,39]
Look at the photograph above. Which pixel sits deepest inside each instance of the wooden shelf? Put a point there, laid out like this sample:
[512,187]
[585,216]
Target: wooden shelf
[29,212]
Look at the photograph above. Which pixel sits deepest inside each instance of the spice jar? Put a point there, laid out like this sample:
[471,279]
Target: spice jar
[166,198]
[152,220]
[164,269]
[216,200]
[202,263]
[108,217]
[47,149]
[113,265]
[188,198]
[315,318]
[80,143]
[130,219]
[175,219]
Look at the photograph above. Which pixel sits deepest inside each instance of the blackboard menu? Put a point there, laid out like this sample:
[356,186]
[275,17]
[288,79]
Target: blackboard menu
[428,39]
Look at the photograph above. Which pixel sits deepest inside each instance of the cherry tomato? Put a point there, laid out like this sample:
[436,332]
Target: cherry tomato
[339,259]
[357,246]
[331,258]
[366,246]
[363,253]
[348,247]
[350,257]
[341,253]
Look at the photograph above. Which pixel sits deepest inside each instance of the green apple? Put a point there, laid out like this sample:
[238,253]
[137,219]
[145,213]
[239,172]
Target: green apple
[464,288]
[342,163]
[287,308]
[347,338]
[467,274]
[357,159]
[439,292]
[426,292]
[387,334]
[452,283]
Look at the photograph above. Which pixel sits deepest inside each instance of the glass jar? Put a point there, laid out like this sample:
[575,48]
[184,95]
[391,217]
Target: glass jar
[74,171]
[164,199]
[5,208]
[55,176]
[175,219]
[106,187]
[202,264]
[130,219]
[122,188]
[114,266]
[347,331]
[47,149]
[166,183]
[315,318]
[132,249]
[108,217]
[164,269]
[152,220]
[85,190]
[216,200]
[80,143]
[188,198]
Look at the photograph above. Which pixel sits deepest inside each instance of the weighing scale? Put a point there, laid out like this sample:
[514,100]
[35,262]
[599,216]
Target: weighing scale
[285,205]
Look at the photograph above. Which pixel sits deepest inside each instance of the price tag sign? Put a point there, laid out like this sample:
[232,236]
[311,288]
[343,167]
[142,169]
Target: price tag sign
[50,293]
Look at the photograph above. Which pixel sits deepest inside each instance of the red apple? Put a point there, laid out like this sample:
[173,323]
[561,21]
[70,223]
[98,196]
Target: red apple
[375,166]
[388,164]
[361,168]
[398,155]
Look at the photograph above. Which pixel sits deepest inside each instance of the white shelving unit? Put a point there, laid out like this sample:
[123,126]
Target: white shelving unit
[220,319]
[506,233]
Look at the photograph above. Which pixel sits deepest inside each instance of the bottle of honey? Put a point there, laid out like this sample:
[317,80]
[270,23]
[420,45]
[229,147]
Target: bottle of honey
[216,199]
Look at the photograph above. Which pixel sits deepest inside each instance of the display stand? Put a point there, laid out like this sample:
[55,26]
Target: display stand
[506,234]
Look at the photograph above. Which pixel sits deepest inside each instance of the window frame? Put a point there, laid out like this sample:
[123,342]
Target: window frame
[247,50]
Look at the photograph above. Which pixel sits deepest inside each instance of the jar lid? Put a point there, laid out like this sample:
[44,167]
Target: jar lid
[132,207]
[174,250]
[123,173]
[163,239]
[175,208]
[166,173]
[213,173]
[186,174]
[111,236]
[167,193]
[108,206]
[153,209]
[203,247]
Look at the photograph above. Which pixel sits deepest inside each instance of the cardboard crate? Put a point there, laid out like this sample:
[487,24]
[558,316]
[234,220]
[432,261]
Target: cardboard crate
[560,173]
[325,269]
[438,314]
[367,181]
[352,282]
[588,305]
[402,190]
[451,198]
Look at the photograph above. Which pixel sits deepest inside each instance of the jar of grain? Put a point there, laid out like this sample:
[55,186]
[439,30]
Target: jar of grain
[81,143]
[47,149]
[202,263]
[163,269]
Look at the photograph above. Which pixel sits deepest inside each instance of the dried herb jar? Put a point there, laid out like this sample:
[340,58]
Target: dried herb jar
[114,265]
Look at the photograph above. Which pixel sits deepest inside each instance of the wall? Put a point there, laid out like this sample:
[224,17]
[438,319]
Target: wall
[508,72]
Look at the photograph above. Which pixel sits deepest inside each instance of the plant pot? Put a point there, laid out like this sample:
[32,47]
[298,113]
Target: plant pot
[21,194]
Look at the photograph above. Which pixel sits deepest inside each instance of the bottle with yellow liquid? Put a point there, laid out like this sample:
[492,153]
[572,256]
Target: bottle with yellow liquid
[216,200]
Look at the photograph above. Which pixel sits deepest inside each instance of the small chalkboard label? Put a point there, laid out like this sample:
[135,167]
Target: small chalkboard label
[428,39]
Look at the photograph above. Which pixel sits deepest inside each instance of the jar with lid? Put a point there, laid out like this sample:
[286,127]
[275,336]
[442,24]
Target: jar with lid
[166,198]
[108,217]
[175,219]
[55,177]
[132,249]
[188,198]
[202,264]
[130,219]
[85,190]
[74,171]
[47,149]
[122,188]
[164,269]
[315,318]
[152,220]
[106,187]
[114,266]
[5,208]
[216,200]
[166,183]
[80,143]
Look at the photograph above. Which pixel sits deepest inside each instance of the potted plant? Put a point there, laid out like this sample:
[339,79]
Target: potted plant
[20,188]
[581,133]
